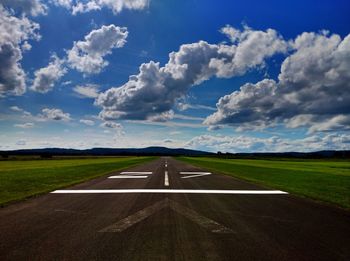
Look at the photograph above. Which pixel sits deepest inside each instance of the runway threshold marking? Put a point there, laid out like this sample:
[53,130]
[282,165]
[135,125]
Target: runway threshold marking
[132,175]
[193,174]
[127,177]
[136,173]
[192,215]
[170,191]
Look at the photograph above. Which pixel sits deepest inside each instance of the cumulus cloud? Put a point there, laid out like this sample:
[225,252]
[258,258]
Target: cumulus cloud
[16,108]
[87,56]
[25,125]
[87,122]
[86,91]
[30,7]
[46,77]
[118,128]
[55,114]
[313,90]
[238,144]
[248,105]
[79,6]
[155,89]
[14,33]
[111,125]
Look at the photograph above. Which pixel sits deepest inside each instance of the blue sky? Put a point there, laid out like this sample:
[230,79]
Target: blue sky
[237,76]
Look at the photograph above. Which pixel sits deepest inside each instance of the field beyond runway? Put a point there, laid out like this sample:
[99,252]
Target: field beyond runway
[25,178]
[170,210]
[323,180]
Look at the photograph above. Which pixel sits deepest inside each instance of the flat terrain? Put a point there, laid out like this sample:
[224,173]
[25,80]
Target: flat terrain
[170,210]
[25,178]
[323,180]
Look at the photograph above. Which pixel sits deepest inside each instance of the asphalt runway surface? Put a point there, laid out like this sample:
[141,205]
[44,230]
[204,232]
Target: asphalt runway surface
[170,210]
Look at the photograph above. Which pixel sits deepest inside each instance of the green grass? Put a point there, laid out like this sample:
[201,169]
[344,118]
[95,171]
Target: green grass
[327,181]
[22,179]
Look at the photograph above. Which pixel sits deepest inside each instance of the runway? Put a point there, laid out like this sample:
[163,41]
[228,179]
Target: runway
[170,210]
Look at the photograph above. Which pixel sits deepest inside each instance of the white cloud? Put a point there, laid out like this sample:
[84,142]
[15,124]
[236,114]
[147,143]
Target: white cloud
[25,125]
[14,32]
[118,128]
[87,91]
[238,144]
[87,122]
[46,77]
[64,3]
[79,6]
[30,7]
[111,125]
[16,108]
[55,114]
[67,83]
[313,90]
[87,56]
[155,90]
[185,106]
[187,117]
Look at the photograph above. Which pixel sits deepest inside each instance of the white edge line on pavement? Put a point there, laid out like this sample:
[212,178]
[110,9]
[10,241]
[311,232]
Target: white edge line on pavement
[127,177]
[188,191]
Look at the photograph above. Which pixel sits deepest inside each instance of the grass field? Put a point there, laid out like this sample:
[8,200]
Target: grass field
[327,180]
[22,179]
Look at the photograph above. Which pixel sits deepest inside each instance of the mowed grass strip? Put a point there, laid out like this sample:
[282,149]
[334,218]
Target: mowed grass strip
[22,179]
[327,181]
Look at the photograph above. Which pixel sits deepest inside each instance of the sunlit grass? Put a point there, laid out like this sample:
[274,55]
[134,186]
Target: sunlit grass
[21,179]
[327,181]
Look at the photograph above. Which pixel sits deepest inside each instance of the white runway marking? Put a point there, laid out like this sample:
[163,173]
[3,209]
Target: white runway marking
[136,173]
[194,174]
[184,191]
[166,178]
[141,215]
[127,177]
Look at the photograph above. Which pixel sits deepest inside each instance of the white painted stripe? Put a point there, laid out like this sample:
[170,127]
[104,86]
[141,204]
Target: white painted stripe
[136,173]
[166,179]
[193,172]
[127,177]
[196,175]
[166,165]
[185,191]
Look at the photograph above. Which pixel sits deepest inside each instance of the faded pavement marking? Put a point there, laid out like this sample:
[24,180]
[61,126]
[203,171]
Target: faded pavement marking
[139,216]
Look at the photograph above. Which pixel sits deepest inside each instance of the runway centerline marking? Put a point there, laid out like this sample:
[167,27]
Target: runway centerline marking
[127,177]
[193,174]
[166,179]
[170,191]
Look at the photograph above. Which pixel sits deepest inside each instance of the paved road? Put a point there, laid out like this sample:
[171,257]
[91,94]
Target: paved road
[92,225]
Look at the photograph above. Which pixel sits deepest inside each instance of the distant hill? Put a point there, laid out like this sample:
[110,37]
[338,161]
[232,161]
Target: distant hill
[108,152]
[163,151]
[310,155]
